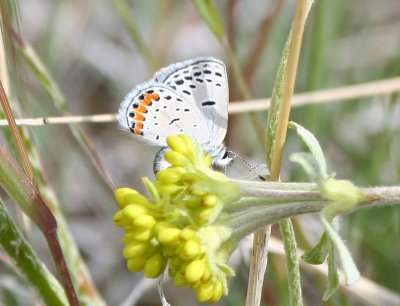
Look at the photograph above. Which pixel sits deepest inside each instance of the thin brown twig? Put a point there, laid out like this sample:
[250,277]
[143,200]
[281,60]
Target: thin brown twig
[340,94]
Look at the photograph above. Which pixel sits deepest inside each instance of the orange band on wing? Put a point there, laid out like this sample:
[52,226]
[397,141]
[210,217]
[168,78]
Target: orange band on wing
[149,98]
[138,128]
[139,116]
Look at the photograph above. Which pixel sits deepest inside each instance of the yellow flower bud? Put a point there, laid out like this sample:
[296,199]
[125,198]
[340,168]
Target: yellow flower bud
[134,249]
[179,280]
[129,236]
[133,211]
[188,141]
[136,198]
[187,234]
[217,292]
[155,265]
[176,158]
[205,291]
[192,203]
[195,270]
[177,144]
[205,215]
[207,274]
[191,177]
[119,219]
[143,235]
[209,200]
[136,264]
[120,193]
[164,188]
[170,175]
[191,248]
[168,236]
[144,222]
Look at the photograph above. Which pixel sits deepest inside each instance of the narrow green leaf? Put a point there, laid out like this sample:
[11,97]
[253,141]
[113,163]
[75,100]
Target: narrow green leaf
[290,245]
[313,145]
[208,12]
[25,259]
[310,165]
[349,268]
[333,278]
[318,253]
[276,98]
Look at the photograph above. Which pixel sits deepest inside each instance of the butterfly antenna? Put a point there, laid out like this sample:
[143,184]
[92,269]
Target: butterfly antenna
[248,165]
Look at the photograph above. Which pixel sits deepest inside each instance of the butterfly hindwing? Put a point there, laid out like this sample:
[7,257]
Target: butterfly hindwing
[203,83]
[153,111]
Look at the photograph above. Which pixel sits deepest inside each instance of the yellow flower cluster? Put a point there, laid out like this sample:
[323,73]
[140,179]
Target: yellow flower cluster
[180,224]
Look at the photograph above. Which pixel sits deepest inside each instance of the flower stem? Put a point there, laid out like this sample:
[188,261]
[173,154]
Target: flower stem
[246,222]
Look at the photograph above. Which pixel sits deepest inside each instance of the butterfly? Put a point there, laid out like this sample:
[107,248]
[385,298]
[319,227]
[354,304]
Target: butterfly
[188,98]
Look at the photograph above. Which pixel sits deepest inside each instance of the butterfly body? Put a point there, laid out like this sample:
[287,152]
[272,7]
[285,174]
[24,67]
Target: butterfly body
[188,98]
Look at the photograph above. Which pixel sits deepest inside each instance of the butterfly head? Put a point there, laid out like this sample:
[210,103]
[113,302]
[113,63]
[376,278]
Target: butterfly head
[220,155]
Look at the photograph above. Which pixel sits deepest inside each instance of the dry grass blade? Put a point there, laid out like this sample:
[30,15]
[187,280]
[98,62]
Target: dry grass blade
[17,136]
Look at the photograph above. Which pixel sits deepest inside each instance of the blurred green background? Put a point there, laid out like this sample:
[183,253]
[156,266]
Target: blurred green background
[88,49]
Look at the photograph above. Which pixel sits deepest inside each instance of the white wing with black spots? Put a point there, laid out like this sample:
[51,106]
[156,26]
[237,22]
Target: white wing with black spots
[203,83]
[152,111]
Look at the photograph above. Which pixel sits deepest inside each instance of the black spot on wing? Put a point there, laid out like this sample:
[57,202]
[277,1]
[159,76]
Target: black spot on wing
[208,103]
[174,120]
[179,82]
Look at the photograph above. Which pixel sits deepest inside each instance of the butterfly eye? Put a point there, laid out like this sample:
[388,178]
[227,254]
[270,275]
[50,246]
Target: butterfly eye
[225,155]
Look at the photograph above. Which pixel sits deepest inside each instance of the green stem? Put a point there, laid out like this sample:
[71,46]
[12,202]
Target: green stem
[249,221]
[290,245]
[248,186]
[27,262]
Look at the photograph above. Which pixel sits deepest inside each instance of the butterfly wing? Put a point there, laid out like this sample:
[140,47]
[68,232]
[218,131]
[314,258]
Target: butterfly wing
[204,84]
[152,111]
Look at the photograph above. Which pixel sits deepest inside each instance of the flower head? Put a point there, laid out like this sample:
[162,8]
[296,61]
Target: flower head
[180,223]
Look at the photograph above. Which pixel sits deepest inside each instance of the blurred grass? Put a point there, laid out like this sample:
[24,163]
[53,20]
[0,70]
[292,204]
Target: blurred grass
[93,60]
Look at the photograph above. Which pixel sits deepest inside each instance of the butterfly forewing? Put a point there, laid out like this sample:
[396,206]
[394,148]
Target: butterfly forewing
[153,111]
[203,83]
